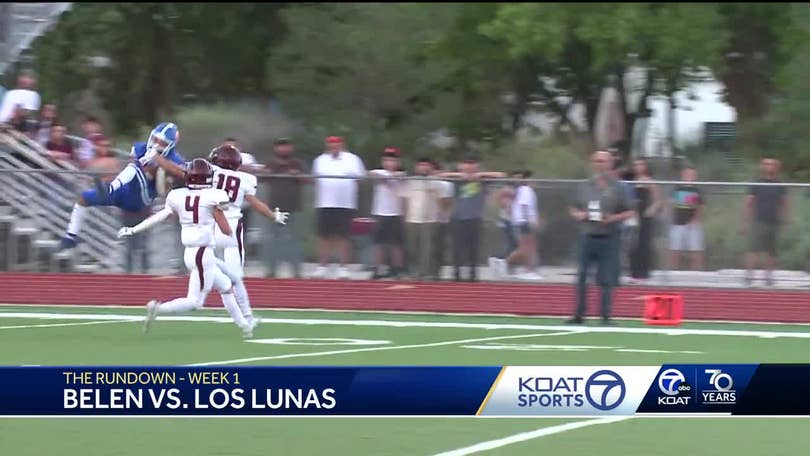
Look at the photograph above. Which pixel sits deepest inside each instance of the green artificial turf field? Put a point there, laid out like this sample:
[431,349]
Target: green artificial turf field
[60,335]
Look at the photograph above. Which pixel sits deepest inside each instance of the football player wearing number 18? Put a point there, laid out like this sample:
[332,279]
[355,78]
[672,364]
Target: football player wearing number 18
[199,208]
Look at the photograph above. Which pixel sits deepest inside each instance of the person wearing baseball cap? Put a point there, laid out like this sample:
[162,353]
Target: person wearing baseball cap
[335,203]
[284,241]
[387,209]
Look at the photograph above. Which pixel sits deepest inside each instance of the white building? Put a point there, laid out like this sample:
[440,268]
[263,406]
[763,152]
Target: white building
[700,102]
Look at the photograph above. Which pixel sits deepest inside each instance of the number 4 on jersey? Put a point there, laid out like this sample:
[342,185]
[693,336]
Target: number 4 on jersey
[193,206]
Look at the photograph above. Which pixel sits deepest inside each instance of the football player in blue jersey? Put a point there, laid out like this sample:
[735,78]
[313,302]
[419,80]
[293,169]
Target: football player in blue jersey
[134,188]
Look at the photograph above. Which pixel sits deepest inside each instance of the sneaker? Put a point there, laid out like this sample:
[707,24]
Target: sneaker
[748,281]
[151,314]
[503,267]
[530,276]
[343,273]
[492,263]
[608,322]
[68,242]
[320,273]
[247,330]
[575,321]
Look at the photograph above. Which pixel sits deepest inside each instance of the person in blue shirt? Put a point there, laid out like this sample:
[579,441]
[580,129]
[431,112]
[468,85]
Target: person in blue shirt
[134,188]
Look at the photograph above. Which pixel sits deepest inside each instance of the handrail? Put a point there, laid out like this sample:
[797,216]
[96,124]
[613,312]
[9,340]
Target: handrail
[451,179]
[120,153]
[52,218]
[55,216]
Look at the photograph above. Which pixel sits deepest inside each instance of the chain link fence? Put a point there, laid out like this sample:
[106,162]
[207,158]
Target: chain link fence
[718,260]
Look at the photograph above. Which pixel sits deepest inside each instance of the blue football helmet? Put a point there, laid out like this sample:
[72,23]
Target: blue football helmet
[163,138]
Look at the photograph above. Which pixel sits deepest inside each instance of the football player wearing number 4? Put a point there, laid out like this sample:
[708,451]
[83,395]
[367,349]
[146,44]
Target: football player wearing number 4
[240,188]
[199,208]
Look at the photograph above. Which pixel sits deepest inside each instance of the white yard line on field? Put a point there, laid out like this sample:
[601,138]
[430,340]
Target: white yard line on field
[260,310]
[429,324]
[53,325]
[524,436]
[370,349]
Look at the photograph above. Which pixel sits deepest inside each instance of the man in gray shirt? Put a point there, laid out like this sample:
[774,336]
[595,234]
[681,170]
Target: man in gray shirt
[601,206]
[468,211]
[766,210]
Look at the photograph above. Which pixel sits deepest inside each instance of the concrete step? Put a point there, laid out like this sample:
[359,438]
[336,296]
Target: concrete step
[87,268]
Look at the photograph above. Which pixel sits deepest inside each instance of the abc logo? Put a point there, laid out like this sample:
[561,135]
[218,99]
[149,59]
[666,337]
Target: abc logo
[672,382]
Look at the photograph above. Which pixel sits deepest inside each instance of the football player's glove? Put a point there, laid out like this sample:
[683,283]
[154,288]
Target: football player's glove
[281,217]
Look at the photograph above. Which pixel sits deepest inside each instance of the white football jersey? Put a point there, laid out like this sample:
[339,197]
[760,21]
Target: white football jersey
[195,209]
[236,184]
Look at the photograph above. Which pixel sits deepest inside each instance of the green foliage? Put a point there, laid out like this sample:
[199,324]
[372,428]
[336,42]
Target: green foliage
[159,53]
[782,131]
[763,37]
[726,244]
[546,159]
[359,70]
[393,73]
[581,46]
[203,127]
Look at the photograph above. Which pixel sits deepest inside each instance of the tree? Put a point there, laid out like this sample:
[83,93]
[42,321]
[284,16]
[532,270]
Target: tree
[361,70]
[158,53]
[762,39]
[782,131]
[583,47]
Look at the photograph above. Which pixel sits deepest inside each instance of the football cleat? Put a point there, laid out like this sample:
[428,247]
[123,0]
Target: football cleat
[151,314]
[68,242]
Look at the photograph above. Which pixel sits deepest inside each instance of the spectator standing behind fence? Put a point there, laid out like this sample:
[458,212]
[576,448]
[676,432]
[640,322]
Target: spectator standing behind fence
[601,206]
[137,245]
[525,224]
[648,201]
[447,190]
[504,198]
[103,159]
[19,120]
[285,193]
[423,200]
[387,209]
[766,210]
[468,212]
[335,203]
[91,128]
[58,147]
[24,96]
[686,232]
[47,119]
[629,229]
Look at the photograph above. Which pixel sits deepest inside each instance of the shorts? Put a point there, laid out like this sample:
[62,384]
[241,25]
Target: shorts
[236,239]
[388,230]
[334,221]
[521,229]
[686,238]
[763,237]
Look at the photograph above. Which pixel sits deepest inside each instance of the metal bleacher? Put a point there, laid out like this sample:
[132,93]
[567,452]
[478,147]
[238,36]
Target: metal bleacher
[35,208]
